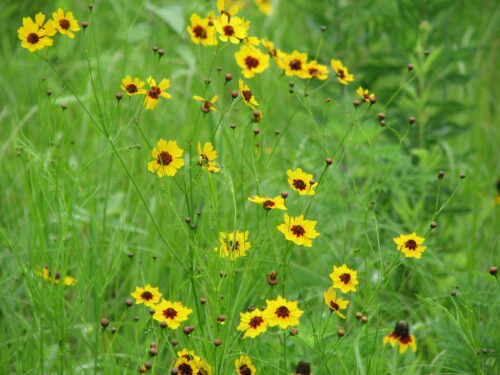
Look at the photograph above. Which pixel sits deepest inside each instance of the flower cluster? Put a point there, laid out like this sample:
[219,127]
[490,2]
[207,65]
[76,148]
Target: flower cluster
[151,95]
[188,363]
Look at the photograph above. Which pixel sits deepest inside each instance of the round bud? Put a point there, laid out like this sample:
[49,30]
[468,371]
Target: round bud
[153,351]
[328,100]
[234,94]
[187,219]
[411,120]
[221,319]
[453,293]
[219,68]
[155,49]
[174,371]
[373,100]
[129,302]
[119,96]
[143,369]
[410,67]
[163,324]
[462,176]
[434,225]
[440,174]
[294,331]
[427,52]
[284,195]
[207,81]
[329,161]
[203,300]
[256,131]
[364,319]
[130,255]
[91,6]
[174,342]
[228,77]
[382,123]
[49,93]
[64,107]
[277,132]
[381,116]
[136,318]
[217,342]
[148,365]
[85,24]
[291,84]
[104,322]
[113,329]
[355,103]
[493,271]
[358,315]
[161,52]
[152,311]
[322,28]
[340,332]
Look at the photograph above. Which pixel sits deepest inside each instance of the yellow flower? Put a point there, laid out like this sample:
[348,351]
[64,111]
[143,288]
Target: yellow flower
[65,23]
[344,278]
[233,245]
[301,182]
[333,303]
[133,86]
[294,64]
[315,70]
[401,335]
[364,94]
[282,313]
[299,230]
[207,105]
[173,313]
[154,92]
[409,245]
[221,8]
[147,295]
[230,29]
[342,73]
[168,158]
[207,155]
[253,323]
[251,60]
[273,52]
[247,95]
[244,366]
[189,355]
[201,32]
[35,35]
[203,368]
[186,366]
[264,6]
[47,275]
[270,203]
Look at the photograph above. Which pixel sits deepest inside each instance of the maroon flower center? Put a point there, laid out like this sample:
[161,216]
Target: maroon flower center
[296,64]
[251,62]
[247,95]
[33,38]
[345,278]
[189,357]
[298,230]
[334,306]
[204,160]
[282,312]
[64,23]
[147,295]
[299,184]
[313,71]
[234,246]
[404,339]
[131,88]
[154,92]
[228,30]
[256,321]
[185,369]
[268,204]
[341,74]
[245,370]
[200,32]
[411,244]
[169,313]
[164,158]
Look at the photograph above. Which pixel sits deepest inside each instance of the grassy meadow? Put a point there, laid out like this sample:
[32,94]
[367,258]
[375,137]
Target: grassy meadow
[394,213]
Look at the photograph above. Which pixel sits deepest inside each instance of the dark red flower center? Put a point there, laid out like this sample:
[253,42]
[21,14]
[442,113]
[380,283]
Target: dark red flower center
[147,295]
[164,158]
[299,184]
[334,306]
[404,339]
[200,32]
[234,245]
[33,38]
[131,88]
[298,230]
[268,204]
[185,369]
[256,321]
[411,244]
[296,64]
[247,95]
[345,278]
[282,312]
[154,92]
[64,23]
[169,313]
[341,74]
[313,71]
[245,370]
[228,30]
[251,62]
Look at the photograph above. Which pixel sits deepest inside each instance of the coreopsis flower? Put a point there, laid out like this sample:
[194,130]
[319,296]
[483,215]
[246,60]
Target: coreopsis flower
[252,323]
[265,6]
[251,60]
[335,304]
[344,278]
[343,74]
[247,95]
[189,355]
[207,155]
[301,182]
[168,158]
[230,29]
[133,86]
[401,335]
[233,244]
[303,368]
[221,8]
[270,203]
[294,64]
[203,368]
[148,295]
[35,34]
[282,313]
[299,230]
[66,24]
[364,94]
[244,366]
[315,70]
[186,366]
[155,91]
[173,313]
[56,278]
[273,52]
[201,32]
[207,105]
[410,245]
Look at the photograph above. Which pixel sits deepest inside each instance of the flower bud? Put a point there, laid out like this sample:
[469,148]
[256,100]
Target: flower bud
[228,77]
[217,342]
[329,161]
